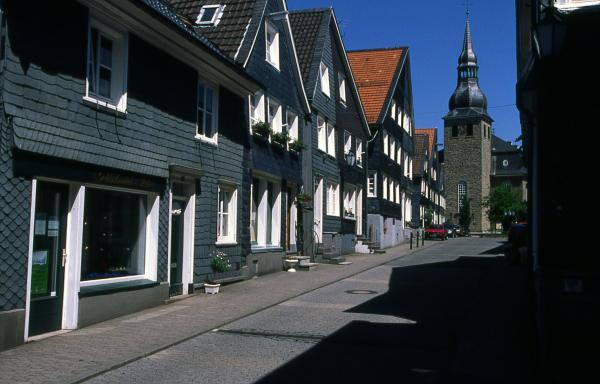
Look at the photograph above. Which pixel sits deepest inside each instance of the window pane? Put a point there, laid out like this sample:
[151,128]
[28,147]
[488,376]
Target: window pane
[114,234]
[208,14]
[269,212]
[209,99]
[105,52]
[254,211]
[200,122]
[201,96]
[104,82]
[208,125]
[93,63]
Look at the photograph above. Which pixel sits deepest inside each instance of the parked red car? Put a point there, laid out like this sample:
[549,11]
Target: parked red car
[436,231]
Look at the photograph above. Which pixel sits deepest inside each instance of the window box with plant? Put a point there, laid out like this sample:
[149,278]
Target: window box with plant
[218,263]
[281,138]
[297,146]
[262,129]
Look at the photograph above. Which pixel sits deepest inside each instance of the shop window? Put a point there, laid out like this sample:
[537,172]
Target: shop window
[114,234]
[106,67]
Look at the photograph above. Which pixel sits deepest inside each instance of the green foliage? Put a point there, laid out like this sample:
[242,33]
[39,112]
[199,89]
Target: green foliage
[262,129]
[428,217]
[220,262]
[303,198]
[280,138]
[503,205]
[296,145]
[465,217]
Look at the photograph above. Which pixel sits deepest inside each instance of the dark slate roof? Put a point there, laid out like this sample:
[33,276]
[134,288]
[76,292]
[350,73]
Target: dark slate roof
[467,113]
[306,25]
[508,164]
[499,145]
[229,34]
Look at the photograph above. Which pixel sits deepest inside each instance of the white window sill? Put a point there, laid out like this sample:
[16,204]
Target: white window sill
[206,140]
[226,242]
[274,65]
[353,218]
[332,214]
[265,248]
[91,283]
[106,106]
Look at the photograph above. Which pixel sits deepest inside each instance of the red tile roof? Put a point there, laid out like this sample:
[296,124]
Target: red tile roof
[374,72]
[432,136]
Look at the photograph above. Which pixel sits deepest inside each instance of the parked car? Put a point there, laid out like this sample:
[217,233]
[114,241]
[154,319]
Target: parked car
[436,231]
[453,229]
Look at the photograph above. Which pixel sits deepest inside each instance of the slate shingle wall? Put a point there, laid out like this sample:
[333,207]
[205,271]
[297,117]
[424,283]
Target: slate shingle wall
[43,94]
[15,206]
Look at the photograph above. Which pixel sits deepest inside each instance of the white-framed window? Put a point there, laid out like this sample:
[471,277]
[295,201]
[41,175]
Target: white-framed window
[324,74]
[385,187]
[210,15]
[342,90]
[410,175]
[333,199]
[462,193]
[397,193]
[359,152]
[206,118]
[399,154]
[275,115]
[118,241]
[272,44]
[106,78]
[292,124]
[265,213]
[257,108]
[386,144]
[372,185]
[227,214]
[331,139]
[392,149]
[322,134]
[393,110]
[350,202]
[347,142]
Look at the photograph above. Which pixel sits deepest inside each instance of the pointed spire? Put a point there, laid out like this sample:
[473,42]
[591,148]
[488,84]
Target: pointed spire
[467,56]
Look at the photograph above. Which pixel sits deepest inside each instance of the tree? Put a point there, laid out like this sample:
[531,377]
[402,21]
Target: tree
[465,217]
[428,217]
[504,206]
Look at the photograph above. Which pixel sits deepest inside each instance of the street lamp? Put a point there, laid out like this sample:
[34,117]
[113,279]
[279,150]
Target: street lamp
[350,158]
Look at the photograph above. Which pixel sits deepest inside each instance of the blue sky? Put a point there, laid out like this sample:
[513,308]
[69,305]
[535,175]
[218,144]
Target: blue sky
[434,32]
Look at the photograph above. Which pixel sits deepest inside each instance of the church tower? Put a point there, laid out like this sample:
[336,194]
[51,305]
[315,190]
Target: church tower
[467,141]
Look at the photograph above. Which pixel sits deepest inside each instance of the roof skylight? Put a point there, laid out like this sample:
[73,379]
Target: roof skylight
[210,15]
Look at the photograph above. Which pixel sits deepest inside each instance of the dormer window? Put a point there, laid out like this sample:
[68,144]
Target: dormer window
[272,45]
[210,15]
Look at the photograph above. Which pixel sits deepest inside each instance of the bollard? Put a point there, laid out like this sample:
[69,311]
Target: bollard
[411,237]
[423,239]
[417,239]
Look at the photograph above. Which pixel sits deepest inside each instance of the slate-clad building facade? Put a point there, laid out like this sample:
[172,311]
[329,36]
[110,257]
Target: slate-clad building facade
[335,162]
[508,167]
[257,36]
[428,179]
[384,84]
[123,156]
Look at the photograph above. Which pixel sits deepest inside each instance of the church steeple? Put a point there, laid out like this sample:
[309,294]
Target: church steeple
[467,93]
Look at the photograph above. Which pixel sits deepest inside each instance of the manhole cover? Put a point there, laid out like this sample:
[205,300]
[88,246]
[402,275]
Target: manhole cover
[361,292]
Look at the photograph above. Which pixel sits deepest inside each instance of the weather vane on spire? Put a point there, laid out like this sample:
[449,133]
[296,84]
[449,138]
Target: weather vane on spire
[467,7]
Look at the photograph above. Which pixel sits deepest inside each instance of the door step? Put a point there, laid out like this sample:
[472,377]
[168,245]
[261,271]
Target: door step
[307,266]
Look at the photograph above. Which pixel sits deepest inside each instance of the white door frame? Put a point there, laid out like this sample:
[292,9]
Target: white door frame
[318,208]
[189,215]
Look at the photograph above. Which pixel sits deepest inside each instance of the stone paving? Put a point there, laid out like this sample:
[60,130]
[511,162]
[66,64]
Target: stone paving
[79,355]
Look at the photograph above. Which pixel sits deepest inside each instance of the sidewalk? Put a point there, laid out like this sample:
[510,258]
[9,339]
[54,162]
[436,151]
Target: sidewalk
[78,355]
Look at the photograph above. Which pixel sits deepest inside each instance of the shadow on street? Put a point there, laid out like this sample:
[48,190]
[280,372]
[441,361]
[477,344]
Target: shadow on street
[472,325]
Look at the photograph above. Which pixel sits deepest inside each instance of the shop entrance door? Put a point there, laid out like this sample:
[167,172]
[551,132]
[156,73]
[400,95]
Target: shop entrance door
[177,228]
[48,258]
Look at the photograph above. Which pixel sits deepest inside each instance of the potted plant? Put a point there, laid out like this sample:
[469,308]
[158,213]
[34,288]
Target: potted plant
[280,138]
[218,263]
[303,199]
[296,146]
[262,129]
